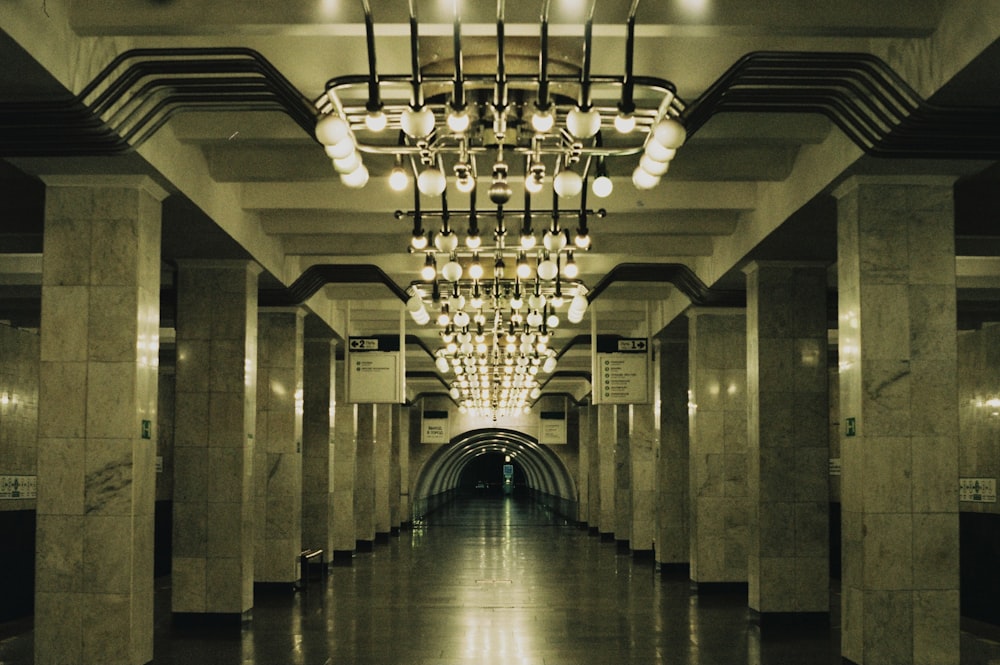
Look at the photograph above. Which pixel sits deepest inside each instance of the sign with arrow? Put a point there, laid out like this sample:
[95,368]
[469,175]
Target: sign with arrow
[621,375]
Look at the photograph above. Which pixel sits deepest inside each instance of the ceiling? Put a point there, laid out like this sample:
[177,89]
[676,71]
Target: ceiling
[753,180]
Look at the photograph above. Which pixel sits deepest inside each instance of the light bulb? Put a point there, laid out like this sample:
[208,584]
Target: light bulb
[442,364]
[356,178]
[398,180]
[543,121]
[418,241]
[643,179]
[602,186]
[547,270]
[446,242]
[583,124]
[533,184]
[417,123]
[567,183]
[452,271]
[554,242]
[429,271]
[570,269]
[652,166]
[465,184]
[348,164]
[523,269]
[669,133]
[462,320]
[341,148]
[582,239]
[473,241]
[659,153]
[624,123]
[458,120]
[527,241]
[431,182]
[476,269]
[552,321]
[332,129]
[500,192]
[376,121]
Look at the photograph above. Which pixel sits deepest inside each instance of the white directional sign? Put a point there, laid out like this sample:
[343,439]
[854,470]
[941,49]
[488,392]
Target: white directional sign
[621,372]
[373,369]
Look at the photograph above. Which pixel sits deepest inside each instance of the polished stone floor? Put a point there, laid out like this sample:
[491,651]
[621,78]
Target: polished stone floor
[488,581]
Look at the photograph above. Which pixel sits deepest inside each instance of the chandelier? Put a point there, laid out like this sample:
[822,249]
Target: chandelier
[498,303]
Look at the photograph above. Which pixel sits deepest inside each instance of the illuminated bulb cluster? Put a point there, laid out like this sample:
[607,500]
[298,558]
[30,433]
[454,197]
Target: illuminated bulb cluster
[338,142]
[666,137]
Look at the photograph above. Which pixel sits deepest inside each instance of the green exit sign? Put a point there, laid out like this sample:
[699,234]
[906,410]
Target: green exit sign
[852,427]
[147,429]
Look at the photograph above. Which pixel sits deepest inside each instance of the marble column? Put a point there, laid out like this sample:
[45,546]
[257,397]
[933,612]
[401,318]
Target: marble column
[672,505]
[395,472]
[899,407]
[623,479]
[643,440]
[382,471]
[278,451]
[788,439]
[403,427]
[607,438]
[583,466]
[594,476]
[717,360]
[364,479]
[97,406]
[213,549]
[345,422]
[319,399]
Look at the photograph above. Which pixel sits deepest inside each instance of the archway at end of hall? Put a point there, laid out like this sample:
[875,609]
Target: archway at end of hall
[542,470]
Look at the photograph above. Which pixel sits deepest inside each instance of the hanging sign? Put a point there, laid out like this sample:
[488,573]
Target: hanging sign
[552,427]
[434,427]
[373,369]
[621,372]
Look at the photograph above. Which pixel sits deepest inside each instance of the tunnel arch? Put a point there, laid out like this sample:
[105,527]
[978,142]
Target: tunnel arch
[544,470]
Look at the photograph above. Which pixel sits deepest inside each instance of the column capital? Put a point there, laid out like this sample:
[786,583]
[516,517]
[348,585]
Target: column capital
[695,312]
[855,181]
[105,181]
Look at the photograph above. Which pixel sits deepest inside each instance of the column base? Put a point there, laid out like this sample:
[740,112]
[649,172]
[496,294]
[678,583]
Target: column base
[364,546]
[788,624]
[342,558]
[382,538]
[212,620]
[607,537]
[622,546]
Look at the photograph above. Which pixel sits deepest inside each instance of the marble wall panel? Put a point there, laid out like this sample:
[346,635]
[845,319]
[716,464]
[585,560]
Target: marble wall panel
[344,464]
[319,398]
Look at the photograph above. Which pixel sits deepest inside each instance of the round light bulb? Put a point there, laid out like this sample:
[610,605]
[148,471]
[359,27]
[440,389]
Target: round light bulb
[571,270]
[534,319]
[670,133]
[349,163]
[554,241]
[473,241]
[533,184]
[452,271]
[567,183]
[643,179]
[428,272]
[461,320]
[659,153]
[465,184]
[476,270]
[500,192]
[356,178]
[543,121]
[552,321]
[376,121]
[624,123]
[332,129]
[523,270]
[602,186]
[582,240]
[398,180]
[458,121]
[431,182]
[418,241]
[583,124]
[547,270]
[442,364]
[417,123]
[446,242]
[341,148]
[527,241]
[652,166]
